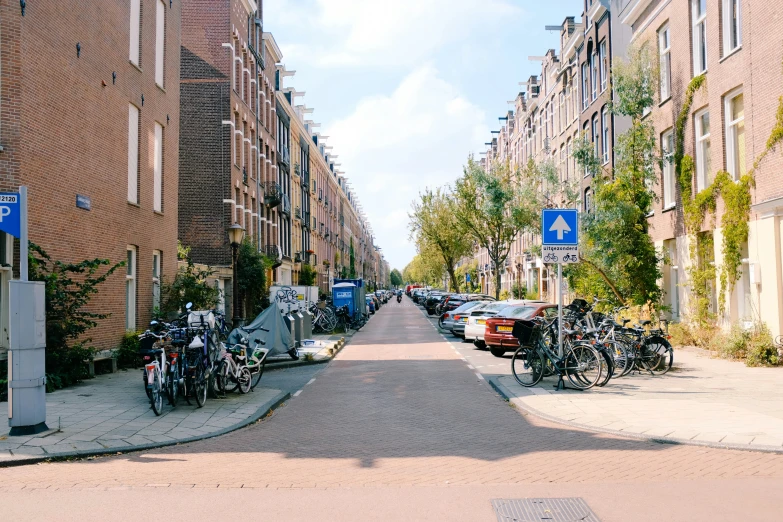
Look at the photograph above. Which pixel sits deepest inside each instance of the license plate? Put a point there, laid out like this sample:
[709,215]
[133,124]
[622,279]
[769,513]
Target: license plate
[505,328]
[481,321]
[463,320]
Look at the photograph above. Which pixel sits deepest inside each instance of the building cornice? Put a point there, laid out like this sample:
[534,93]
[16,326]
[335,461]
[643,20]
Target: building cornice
[635,10]
[268,37]
[250,6]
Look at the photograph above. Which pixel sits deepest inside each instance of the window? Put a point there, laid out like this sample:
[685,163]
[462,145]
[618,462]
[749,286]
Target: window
[594,75]
[664,50]
[605,135]
[156,275]
[569,151]
[133,154]
[130,289]
[563,120]
[157,167]
[596,136]
[604,66]
[160,41]
[732,26]
[567,106]
[135,32]
[588,200]
[667,147]
[237,139]
[703,159]
[585,92]
[699,20]
[735,135]
[586,138]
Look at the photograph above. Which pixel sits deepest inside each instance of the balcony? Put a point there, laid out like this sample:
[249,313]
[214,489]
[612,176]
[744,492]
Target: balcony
[274,253]
[285,205]
[306,220]
[244,175]
[284,156]
[315,223]
[298,213]
[273,195]
[297,170]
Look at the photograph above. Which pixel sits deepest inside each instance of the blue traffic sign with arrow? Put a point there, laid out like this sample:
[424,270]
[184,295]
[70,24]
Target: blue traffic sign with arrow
[559,226]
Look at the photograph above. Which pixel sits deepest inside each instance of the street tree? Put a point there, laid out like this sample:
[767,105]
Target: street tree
[494,206]
[396,278]
[433,220]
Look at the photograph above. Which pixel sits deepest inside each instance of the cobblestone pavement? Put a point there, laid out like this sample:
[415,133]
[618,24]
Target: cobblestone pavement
[399,427]
[702,400]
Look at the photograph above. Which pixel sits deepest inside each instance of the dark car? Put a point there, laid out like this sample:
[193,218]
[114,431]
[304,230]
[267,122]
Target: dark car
[497,334]
[433,301]
[452,302]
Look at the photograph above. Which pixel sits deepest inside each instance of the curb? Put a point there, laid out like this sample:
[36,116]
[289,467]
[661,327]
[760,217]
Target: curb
[507,395]
[264,410]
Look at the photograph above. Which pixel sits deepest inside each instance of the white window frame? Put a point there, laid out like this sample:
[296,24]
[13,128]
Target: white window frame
[664,51]
[596,134]
[699,30]
[160,42]
[130,288]
[703,163]
[594,75]
[667,169]
[585,90]
[732,166]
[605,135]
[134,52]
[603,64]
[134,117]
[157,169]
[157,266]
[728,26]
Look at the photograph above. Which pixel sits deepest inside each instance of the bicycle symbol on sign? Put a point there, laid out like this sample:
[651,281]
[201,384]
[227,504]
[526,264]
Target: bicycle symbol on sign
[571,257]
[550,258]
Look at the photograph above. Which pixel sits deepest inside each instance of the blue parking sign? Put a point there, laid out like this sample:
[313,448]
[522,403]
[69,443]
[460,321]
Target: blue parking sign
[10,213]
[559,226]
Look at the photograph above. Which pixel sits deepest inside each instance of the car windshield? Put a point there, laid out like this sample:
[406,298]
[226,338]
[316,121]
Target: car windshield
[495,307]
[467,306]
[518,312]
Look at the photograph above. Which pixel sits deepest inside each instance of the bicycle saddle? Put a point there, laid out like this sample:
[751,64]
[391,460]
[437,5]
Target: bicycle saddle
[645,323]
[626,321]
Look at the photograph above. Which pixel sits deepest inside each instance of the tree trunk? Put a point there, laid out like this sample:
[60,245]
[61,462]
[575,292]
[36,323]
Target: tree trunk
[453,277]
[606,280]
[497,282]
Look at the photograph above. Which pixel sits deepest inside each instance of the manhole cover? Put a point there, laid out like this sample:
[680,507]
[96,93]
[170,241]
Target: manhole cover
[543,509]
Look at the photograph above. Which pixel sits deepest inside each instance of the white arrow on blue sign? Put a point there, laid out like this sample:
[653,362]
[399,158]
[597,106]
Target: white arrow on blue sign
[559,226]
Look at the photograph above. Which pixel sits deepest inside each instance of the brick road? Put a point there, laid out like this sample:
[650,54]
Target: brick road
[398,427]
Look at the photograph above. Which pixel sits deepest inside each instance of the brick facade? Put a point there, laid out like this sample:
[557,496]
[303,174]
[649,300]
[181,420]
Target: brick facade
[64,132]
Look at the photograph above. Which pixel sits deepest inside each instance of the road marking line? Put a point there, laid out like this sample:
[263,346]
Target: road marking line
[479,376]
[297,393]
[472,368]
[311,381]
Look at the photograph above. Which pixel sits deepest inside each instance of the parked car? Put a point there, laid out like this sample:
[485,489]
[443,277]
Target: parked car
[433,301]
[451,302]
[418,295]
[497,332]
[479,297]
[476,325]
[370,304]
[449,319]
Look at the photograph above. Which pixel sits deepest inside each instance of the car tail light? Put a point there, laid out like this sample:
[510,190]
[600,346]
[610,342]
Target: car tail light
[446,316]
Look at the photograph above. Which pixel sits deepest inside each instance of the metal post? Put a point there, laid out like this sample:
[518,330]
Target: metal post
[560,310]
[236,319]
[23,239]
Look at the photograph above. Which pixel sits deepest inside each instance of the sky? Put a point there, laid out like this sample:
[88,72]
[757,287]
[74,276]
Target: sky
[406,90]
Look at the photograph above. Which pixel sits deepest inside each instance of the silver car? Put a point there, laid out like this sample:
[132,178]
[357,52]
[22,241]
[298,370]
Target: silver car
[446,321]
[458,328]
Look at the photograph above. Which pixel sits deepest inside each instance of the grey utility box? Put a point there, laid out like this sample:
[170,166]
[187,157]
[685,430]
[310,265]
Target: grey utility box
[297,329]
[307,324]
[27,358]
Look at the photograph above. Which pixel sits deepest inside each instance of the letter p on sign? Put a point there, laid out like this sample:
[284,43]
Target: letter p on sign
[4,211]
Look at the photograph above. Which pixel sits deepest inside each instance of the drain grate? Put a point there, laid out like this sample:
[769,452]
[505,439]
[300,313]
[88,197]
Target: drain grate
[543,509]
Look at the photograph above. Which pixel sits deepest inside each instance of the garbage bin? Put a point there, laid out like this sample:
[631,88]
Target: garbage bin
[344,294]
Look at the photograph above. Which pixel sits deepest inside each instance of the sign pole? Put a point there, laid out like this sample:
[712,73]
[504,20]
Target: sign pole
[560,310]
[23,239]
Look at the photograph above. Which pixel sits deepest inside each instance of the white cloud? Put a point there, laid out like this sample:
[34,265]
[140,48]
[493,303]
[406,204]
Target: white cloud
[391,147]
[383,33]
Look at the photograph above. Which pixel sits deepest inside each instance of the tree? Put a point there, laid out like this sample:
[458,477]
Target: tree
[352,258]
[434,220]
[396,278]
[253,286]
[307,275]
[493,206]
[190,285]
[620,261]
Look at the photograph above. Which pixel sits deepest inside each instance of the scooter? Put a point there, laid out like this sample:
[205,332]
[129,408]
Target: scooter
[399,298]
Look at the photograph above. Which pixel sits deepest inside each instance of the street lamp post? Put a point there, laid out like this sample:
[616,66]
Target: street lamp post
[235,236]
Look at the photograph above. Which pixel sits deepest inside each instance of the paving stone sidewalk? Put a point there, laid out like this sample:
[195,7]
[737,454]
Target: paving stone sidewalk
[112,413]
[701,401]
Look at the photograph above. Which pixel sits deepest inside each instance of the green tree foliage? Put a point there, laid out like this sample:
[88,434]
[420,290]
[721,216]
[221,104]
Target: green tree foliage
[352,261]
[433,220]
[620,259]
[426,267]
[493,206]
[189,285]
[307,275]
[252,282]
[396,278]
[69,287]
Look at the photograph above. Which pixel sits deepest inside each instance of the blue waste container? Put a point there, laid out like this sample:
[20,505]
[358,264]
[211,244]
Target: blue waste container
[345,294]
[359,304]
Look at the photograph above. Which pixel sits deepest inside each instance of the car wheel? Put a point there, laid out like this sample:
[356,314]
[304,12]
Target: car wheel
[497,351]
[479,344]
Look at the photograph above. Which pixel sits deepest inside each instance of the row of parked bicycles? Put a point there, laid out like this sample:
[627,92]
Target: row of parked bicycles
[189,358]
[596,348]
[328,318]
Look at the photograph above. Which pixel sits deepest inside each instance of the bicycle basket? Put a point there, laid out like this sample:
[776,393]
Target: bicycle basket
[201,318]
[524,331]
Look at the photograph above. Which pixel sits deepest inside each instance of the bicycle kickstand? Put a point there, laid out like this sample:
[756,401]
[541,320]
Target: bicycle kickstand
[560,383]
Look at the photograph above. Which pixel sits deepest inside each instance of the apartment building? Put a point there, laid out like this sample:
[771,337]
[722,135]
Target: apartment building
[89,122]
[735,45]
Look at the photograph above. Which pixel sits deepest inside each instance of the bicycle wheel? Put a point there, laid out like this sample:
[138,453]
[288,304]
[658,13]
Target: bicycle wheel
[156,392]
[527,367]
[255,375]
[172,384]
[658,354]
[243,380]
[583,366]
[230,381]
[221,377]
[619,356]
[200,384]
[607,366]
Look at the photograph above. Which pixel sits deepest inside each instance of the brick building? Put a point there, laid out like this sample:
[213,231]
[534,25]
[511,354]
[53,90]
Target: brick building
[736,46]
[89,121]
